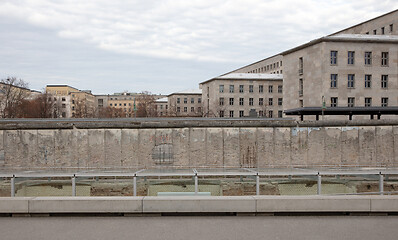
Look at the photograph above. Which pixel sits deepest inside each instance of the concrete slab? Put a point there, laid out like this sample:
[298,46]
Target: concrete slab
[14,205]
[85,205]
[312,203]
[198,204]
[384,203]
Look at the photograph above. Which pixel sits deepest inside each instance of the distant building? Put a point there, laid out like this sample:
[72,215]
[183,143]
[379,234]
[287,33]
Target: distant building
[243,95]
[162,107]
[187,103]
[356,67]
[74,102]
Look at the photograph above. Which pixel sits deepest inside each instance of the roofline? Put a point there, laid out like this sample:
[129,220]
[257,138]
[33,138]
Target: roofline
[330,39]
[250,64]
[184,94]
[356,25]
[61,85]
[240,79]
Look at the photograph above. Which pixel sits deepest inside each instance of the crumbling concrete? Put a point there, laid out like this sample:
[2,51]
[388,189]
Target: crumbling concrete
[197,143]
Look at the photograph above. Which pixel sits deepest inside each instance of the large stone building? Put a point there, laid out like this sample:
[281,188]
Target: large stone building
[243,95]
[187,103]
[73,102]
[352,70]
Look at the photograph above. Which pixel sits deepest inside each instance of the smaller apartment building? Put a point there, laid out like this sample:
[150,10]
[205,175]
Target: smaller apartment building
[73,102]
[162,107]
[186,103]
[243,95]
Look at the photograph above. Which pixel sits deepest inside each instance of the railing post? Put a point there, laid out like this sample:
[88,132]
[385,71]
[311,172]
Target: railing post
[319,185]
[13,186]
[74,185]
[381,183]
[196,184]
[135,185]
[257,184]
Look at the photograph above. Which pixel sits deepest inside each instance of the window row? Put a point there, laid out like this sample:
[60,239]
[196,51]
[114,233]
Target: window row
[185,109]
[267,68]
[192,100]
[119,104]
[251,101]
[351,102]
[250,88]
[383,30]
[351,81]
[261,113]
[367,58]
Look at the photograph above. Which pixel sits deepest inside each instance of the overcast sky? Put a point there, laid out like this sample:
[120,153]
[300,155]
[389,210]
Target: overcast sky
[162,46]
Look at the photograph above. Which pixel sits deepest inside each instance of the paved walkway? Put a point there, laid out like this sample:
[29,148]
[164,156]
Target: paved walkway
[191,228]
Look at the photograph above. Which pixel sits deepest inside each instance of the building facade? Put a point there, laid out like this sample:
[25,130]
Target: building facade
[73,102]
[186,103]
[356,67]
[243,95]
[162,107]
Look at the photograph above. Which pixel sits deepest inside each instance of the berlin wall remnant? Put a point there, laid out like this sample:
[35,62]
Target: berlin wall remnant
[203,143]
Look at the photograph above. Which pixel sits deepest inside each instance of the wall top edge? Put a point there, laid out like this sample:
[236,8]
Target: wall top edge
[184,123]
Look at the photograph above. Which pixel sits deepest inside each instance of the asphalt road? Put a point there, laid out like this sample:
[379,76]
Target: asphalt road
[191,228]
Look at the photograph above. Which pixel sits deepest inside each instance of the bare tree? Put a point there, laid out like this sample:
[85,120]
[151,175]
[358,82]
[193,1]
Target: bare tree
[12,93]
[42,106]
[146,106]
[83,109]
[111,112]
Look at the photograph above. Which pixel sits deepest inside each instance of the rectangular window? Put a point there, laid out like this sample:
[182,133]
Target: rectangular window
[241,89]
[333,80]
[270,89]
[391,27]
[301,87]
[185,109]
[192,109]
[63,99]
[192,100]
[241,113]
[261,101]
[178,100]
[231,101]
[270,101]
[185,100]
[250,88]
[270,113]
[301,65]
[368,102]
[251,101]
[199,100]
[63,105]
[351,58]
[384,102]
[374,32]
[368,58]
[221,113]
[260,88]
[384,59]
[333,101]
[384,81]
[368,81]
[280,114]
[333,57]
[231,114]
[280,88]
[231,88]
[178,109]
[280,101]
[351,81]
[221,101]
[261,113]
[351,102]
[382,30]
[221,88]
[241,101]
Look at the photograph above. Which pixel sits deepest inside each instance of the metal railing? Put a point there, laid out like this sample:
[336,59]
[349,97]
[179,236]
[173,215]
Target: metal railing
[242,181]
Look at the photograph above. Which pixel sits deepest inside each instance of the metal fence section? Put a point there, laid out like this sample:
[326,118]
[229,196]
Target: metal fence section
[214,182]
